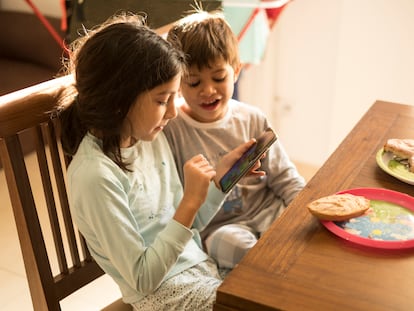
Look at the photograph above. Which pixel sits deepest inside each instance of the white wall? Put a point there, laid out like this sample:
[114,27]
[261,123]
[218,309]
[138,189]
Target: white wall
[327,61]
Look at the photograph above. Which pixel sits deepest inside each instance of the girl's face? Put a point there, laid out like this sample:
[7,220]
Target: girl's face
[150,113]
[207,91]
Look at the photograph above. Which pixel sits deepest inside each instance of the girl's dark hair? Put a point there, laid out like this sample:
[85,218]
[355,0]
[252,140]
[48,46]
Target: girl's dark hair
[112,65]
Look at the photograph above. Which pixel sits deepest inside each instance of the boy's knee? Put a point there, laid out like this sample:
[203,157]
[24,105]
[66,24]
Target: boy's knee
[228,244]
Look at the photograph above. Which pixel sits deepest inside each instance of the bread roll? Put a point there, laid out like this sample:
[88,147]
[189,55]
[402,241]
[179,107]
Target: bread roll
[339,207]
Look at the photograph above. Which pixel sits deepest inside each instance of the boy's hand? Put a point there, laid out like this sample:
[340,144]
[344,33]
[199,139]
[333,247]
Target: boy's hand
[254,170]
[227,161]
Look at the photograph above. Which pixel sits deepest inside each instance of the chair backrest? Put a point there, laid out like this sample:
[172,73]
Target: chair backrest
[64,265]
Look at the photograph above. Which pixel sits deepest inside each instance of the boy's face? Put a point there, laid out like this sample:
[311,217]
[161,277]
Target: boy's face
[207,91]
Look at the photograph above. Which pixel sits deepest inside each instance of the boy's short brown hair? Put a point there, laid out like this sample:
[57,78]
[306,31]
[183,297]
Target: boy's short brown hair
[205,37]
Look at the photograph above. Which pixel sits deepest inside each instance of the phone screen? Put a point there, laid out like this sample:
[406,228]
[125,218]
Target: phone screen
[247,160]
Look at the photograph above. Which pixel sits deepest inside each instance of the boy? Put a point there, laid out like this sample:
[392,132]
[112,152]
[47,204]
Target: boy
[212,123]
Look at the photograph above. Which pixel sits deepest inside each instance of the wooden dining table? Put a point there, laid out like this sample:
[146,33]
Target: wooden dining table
[298,264]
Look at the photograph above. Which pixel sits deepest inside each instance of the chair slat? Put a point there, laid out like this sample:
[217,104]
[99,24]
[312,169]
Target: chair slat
[50,201]
[50,133]
[85,250]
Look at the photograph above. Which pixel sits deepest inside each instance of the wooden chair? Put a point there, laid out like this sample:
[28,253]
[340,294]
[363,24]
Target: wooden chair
[32,110]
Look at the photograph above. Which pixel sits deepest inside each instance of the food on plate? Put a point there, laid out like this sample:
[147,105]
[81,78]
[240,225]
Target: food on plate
[339,207]
[403,149]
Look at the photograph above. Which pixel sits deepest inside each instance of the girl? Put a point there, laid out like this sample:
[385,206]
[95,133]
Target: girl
[141,225]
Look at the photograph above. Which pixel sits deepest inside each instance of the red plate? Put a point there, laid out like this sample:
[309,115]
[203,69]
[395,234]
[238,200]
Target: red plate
[389,224]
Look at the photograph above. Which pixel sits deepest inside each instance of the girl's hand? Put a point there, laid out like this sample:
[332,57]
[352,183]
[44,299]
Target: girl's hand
[197,176]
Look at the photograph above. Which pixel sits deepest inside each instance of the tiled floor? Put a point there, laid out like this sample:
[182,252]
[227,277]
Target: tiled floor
[14,291]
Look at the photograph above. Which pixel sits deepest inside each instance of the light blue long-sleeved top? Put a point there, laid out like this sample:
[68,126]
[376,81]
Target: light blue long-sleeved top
[126,217]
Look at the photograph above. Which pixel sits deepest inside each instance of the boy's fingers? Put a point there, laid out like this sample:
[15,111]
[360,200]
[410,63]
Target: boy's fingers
[245,146]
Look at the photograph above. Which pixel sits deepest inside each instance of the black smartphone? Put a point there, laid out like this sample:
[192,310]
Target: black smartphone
[247,160]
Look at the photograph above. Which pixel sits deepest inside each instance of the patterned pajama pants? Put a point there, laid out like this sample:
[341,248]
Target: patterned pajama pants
[192,289]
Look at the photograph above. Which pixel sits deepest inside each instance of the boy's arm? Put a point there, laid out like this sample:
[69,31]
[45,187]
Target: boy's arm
[283,177]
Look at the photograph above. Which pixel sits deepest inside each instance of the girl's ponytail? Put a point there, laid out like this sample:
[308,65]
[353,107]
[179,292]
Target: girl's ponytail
[71,128]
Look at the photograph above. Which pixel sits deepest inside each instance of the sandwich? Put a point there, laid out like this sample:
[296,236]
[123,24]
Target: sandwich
[339,207]
[402,149]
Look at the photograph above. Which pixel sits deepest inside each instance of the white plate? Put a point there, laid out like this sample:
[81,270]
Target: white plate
[385,160]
